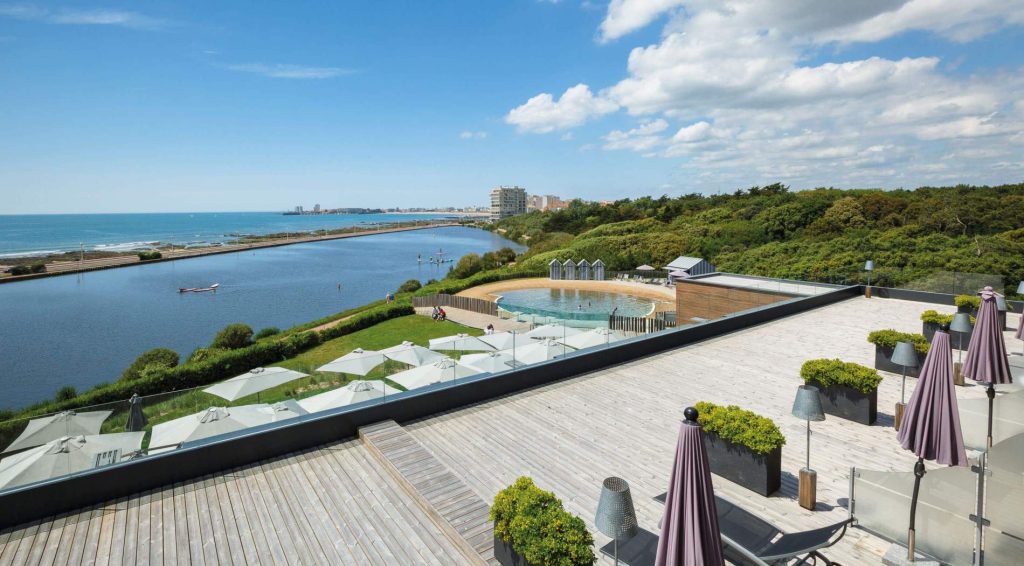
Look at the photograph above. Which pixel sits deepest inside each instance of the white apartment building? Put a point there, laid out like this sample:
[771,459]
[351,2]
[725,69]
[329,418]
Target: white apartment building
[507,201]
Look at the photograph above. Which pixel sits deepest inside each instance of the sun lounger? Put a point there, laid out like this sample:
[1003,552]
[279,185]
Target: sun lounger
[746,539]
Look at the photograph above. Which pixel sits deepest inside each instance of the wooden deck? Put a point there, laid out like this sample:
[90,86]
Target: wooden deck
[341,504]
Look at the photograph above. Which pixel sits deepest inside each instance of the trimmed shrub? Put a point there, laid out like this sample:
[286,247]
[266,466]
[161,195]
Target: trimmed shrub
[538,528]
[19,270]
[972,301]
[38,267]
[267,332]
[157,358]
[889,338]
[409,286]
[204,354]
[935,317]
[837,372]
[233,337]
[66,392]
[739,426]
[150,255]
[469,264]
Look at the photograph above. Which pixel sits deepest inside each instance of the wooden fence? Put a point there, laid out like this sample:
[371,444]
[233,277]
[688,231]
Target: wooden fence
[638,325]
[457,302]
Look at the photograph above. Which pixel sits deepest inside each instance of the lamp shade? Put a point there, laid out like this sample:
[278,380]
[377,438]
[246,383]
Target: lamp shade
[905,355]
[615,514]
[807,405]
[1020,288]
[1000,303]
[961,322]
[869,265]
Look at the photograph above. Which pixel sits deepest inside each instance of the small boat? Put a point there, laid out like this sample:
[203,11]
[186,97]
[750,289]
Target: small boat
[198,289]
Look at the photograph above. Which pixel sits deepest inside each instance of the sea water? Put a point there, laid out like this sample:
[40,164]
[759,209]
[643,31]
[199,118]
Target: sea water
[83,329]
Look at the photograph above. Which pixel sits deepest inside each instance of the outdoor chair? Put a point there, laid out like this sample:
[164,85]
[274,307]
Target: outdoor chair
[746,539]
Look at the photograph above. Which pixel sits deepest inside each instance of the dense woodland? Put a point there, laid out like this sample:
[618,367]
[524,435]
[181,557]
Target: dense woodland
[821,234]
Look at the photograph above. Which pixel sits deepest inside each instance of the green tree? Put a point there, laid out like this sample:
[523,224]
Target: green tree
[409,286]
[233,336]
[469,264]
[157,358]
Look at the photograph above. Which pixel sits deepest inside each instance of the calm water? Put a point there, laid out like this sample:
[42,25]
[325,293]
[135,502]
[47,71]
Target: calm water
[573,304]
[32,234]
[85,329]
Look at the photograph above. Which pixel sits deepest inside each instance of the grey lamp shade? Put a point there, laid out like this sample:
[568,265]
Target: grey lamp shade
[615,514]
[905,355]
[807,405]
[869,265]
[1000,303]
[1020,288]
[961,322]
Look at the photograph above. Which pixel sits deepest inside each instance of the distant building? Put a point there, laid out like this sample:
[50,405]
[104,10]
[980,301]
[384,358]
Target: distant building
[535,202]
[298,210]
[316,209]
[507,201]
[689,266]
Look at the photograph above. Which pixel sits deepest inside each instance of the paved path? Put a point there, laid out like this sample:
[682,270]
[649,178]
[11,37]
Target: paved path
[477,320]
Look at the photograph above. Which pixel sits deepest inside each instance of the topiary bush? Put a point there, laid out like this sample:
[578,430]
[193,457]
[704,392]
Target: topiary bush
[889,338]
[409,286]
[157,358]
[538,528]
[972,301]
[935,317]
[267,332]
[826,373]
[150,255]
[233,337]
[739,426]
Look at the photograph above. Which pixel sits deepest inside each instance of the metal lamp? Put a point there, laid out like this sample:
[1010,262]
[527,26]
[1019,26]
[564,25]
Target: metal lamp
[807,406]
[904,355]
[615,514]
[1001,309]
[961,325]
[869,266]
[1020,291]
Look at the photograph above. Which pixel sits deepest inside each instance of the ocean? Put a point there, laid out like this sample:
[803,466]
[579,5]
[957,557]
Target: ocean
[41,234]
[84,329]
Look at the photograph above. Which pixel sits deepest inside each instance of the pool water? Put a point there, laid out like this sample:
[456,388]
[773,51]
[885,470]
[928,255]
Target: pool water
[574,304]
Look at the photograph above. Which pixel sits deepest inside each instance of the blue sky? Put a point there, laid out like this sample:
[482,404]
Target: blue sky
[189,106]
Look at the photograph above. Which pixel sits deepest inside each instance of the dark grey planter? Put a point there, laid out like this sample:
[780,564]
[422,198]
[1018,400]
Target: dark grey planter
[882,362]
[847,403]
[504,554]
[974,312]
[760,473]
[929,328]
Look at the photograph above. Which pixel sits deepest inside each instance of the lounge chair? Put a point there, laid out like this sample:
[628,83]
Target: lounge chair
[746,539]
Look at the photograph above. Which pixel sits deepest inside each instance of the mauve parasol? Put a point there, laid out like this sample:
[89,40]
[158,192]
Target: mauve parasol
[931,423]
[689,529]
[986,356]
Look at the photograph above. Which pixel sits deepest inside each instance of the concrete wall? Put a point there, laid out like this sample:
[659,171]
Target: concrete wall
[707,301]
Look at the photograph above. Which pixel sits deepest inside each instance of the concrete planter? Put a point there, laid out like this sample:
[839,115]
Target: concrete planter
[974,312]
[929,328]
[850,404]
[760,473]
[882,357]
[506,556]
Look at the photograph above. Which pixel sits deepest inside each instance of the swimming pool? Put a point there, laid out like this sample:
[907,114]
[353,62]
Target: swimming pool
[573,304]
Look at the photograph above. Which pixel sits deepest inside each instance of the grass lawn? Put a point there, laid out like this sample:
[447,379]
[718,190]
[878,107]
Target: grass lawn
[414,328]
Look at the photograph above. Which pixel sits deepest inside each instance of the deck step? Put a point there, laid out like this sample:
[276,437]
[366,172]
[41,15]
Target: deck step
[457,511]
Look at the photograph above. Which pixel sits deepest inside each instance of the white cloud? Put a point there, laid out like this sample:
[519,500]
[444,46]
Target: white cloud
[641,138]
[693,133]
[542,113]
[84,17]
[468,135]
[625,16]
[280,71]
[959,20]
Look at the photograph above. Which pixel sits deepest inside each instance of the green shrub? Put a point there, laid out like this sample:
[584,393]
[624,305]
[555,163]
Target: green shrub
[740,426]
[233,337]
[889,338]
[66,392]
[37,267]
[837,372]
[267,332]
[150,361]
[150,255]
[972,301]
[19,270]
[935,317]
[204,354]
[469,264]
[409,286]
[538,528]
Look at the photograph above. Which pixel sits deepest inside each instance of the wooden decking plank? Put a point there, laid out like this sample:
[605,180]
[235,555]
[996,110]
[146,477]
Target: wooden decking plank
[288,531]
[156,528]
[303,539]
[92,537]
[72,544]
[308,500]
[144,536]
[339,500]
[207,529]
[22,550]
[118,533]
[192,524]
[269,527]
[235,532]
[44,554]
[242,500]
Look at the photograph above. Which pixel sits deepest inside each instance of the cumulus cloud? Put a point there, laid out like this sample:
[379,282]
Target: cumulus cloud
[641,138]
[280,71]
[542,113]
[626,16]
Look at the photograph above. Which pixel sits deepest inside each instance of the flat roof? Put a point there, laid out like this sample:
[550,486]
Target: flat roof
[797,288]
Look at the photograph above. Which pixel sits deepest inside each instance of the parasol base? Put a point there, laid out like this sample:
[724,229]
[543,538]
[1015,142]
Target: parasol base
[867,292]
[958,378]
[808,489]
[897,556]
[900,408]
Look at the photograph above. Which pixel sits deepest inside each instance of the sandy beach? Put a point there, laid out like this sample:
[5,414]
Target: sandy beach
[664,298]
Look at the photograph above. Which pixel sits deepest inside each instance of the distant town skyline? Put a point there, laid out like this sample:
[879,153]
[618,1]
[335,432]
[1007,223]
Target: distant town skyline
[189,106]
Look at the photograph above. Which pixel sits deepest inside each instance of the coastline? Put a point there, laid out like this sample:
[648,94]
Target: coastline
[126,260]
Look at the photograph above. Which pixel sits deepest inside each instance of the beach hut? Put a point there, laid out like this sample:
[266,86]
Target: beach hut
[598,270]
[569,269]
[555,269]
[583,270]
[690,266]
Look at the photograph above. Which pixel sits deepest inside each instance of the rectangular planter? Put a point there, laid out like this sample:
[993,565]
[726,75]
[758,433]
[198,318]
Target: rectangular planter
[760,473]
[974,312]
[504,554]
[848,403]
[929,328]
[882,362]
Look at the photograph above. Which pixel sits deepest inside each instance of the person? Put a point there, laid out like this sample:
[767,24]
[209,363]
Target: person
[489,329]
[442,316]
[435,313]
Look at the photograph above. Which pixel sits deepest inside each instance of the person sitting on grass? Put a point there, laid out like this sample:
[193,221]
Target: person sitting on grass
[435,313]
[489,329]
[441,315]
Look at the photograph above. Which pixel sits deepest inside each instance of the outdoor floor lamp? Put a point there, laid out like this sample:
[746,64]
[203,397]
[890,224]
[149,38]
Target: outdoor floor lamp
[1020,327]
[615,515]
[869,266]
[904,355]
[807,406]
[961,325]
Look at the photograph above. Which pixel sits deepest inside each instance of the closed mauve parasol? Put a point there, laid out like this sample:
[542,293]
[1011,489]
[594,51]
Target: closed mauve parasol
[986,356]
